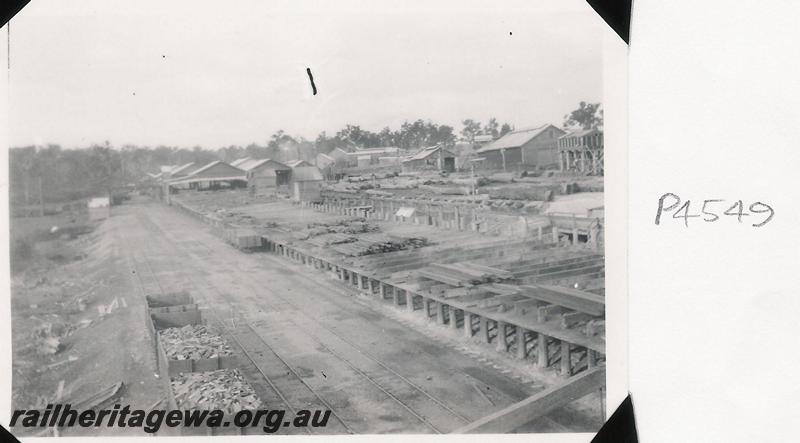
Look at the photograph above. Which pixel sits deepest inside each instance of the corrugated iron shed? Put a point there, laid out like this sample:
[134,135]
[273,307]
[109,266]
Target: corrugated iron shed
[515,139]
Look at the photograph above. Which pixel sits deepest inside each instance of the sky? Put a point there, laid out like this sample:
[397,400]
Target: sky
[191,73]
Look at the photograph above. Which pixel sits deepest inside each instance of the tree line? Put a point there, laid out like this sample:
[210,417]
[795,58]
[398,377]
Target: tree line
[57,175]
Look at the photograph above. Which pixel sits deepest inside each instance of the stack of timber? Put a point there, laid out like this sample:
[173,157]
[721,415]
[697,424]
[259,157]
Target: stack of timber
[361,248]
[224,389]
[464,274]
[192,342]
[390,246]
[242,238]
[458,248]
[331,239]
[520,192]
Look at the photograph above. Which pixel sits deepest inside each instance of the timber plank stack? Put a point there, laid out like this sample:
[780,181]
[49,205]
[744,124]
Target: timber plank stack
[242,238]
[464,274]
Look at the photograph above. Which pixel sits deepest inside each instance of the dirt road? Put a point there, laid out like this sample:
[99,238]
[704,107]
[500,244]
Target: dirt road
[309,342]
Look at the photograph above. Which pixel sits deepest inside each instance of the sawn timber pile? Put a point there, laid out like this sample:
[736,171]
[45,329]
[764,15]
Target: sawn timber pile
[464,274]
[355,226]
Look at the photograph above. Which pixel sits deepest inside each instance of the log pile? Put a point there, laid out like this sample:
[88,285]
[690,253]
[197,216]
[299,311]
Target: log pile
[464,274]
[391,246]
[192,342]
[520,192]
[358,226]
[369,245]
[224,389]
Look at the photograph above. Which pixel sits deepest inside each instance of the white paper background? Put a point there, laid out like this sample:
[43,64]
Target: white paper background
[714,309]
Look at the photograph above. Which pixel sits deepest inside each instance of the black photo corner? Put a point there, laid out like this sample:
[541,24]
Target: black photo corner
[616,13]
[10,8]
[6,436]
[620,427]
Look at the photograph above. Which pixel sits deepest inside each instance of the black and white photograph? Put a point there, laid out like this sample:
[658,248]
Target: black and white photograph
[310,218]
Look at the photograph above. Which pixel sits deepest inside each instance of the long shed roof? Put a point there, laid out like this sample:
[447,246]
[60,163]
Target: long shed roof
[216,170]
[239,161]
[581,133]
[427,152]
[255,163]
[515,139]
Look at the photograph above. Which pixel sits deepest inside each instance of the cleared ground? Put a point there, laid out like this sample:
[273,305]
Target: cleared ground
[318,343]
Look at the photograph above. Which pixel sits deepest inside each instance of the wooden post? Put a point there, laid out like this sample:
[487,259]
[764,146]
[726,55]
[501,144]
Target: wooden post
[566,363]
[502,343]
[591,358]
[468,324]
[360,282]
[410,301]
[453,318]
[541,350]
[521,352]
[439,312]
[484,329]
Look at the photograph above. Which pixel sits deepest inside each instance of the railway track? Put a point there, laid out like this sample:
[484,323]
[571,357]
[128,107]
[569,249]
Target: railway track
[263,357]
[384,371]
[275,369]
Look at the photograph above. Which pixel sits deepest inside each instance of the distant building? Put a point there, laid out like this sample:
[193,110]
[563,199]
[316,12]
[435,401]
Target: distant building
[264,175]
[169,172]
[389,161]
[431,158]
[481,140]
[582,151]
[214,175]
[371,156]
[239,161]
[324,161]
[296,163]
[326,165]
[340,157]
[179,171]
[464,152]
[306,183]
[525,148]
